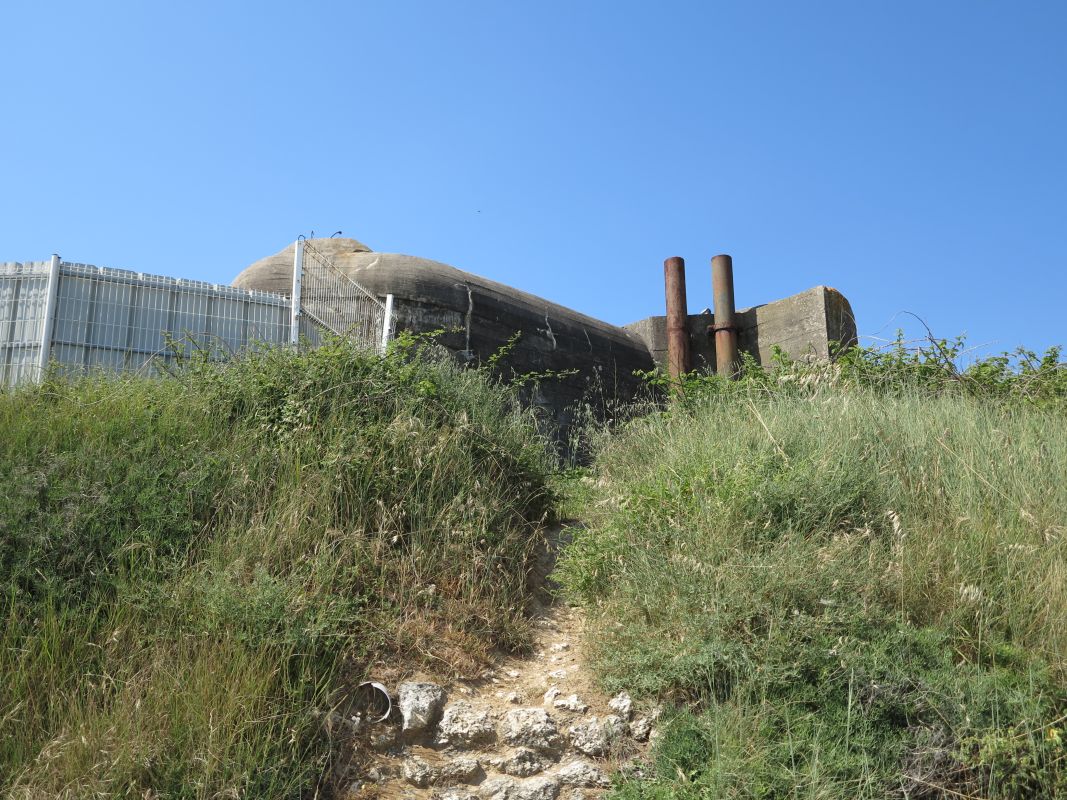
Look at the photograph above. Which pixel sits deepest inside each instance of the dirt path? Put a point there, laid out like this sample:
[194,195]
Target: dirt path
[531,728]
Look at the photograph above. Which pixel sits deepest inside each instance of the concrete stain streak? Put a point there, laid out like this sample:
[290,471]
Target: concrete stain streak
[470,313]
[548,330]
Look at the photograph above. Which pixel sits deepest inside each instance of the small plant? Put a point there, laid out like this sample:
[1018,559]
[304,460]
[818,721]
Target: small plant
[193,566]
[846,577]
[931,367]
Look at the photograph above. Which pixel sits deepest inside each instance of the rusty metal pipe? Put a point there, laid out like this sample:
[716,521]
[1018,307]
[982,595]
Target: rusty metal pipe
[677,317]
[722,285]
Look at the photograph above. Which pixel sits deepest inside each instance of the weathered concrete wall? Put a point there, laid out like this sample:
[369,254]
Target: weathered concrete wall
[479,316]
[803,326]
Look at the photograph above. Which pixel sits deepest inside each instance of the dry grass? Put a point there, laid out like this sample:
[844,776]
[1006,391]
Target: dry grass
[194,568]
[855,593]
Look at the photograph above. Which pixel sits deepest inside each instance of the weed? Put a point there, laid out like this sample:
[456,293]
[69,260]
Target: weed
[192,566]
[849,576]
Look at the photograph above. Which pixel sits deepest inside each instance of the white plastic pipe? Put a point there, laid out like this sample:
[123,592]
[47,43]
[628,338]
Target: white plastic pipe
[49,315]
[298,276]
[387,323]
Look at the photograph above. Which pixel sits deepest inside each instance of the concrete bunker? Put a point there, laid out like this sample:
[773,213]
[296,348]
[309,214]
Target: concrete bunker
[479,315]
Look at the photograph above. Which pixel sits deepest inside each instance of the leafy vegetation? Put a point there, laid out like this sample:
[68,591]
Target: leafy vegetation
[848,579]
[845,580]
[193,569]
[930,368]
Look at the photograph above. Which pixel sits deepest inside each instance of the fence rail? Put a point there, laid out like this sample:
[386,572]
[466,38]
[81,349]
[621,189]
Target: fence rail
[81,317]
[337,303]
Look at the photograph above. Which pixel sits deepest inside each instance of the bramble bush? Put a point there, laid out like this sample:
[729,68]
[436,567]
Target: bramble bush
[194,567]
[930,367]
[847,578]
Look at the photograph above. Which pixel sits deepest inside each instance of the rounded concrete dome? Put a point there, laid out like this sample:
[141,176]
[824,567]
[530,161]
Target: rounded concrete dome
[275,273]
[478,316]
[438,287]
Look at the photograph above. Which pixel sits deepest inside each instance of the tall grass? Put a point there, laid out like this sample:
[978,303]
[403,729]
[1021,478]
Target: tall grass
[851,590]
[193,569]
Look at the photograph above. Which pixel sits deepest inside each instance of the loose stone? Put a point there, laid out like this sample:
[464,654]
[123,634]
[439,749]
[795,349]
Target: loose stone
[622,705]
[455,794]
[460,770]
[616,726]
[524,763]
[572,703]
[582,773]
[590,738]
[420,706]
[640,729]
[530,727]
[464,724]
[536,789]
[417,772]
[498,789]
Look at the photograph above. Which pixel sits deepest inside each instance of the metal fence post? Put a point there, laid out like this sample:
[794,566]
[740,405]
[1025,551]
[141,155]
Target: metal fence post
[49,316]
[298,276]
[387,321]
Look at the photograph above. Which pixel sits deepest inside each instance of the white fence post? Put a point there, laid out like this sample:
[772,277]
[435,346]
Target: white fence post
[49,316]
[298,276]
[387,322]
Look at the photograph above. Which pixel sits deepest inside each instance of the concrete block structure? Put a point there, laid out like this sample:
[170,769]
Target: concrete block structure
[805,326]
[84,318]
[479,315]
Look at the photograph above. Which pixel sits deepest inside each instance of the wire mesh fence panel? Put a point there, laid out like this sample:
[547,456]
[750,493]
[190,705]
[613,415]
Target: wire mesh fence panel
[23,297]
[117,319]
[81,318]
[113,319]
[337,303]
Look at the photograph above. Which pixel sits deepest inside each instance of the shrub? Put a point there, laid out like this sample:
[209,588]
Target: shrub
[853,587]
[195,567]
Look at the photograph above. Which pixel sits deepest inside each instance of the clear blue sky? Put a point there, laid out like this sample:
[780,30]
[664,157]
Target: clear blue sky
[911,154]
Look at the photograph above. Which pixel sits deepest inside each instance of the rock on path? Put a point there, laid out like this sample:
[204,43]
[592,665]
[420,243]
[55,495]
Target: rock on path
[477,740]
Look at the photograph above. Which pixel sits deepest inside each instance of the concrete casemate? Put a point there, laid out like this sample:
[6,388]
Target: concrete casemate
[479,315]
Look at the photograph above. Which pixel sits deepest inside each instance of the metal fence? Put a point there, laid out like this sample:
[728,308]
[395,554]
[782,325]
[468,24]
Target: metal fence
[23,297]
[80,318]
[336,303]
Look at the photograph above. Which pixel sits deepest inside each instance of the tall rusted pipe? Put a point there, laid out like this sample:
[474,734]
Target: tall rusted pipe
[677,317]
[722,285]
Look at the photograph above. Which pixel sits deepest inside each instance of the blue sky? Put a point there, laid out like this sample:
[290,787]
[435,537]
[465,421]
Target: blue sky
[911,154]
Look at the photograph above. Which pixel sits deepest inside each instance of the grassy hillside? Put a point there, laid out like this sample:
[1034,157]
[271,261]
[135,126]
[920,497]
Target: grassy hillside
[844,581]
[192,568]
[850,581]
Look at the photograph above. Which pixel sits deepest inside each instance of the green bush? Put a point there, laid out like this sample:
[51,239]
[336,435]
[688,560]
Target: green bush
[193,568]
[930,368]
[853,587]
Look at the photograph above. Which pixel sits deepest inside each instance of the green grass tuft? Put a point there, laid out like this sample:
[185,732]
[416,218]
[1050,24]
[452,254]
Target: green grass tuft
[845,589]
[193,569]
